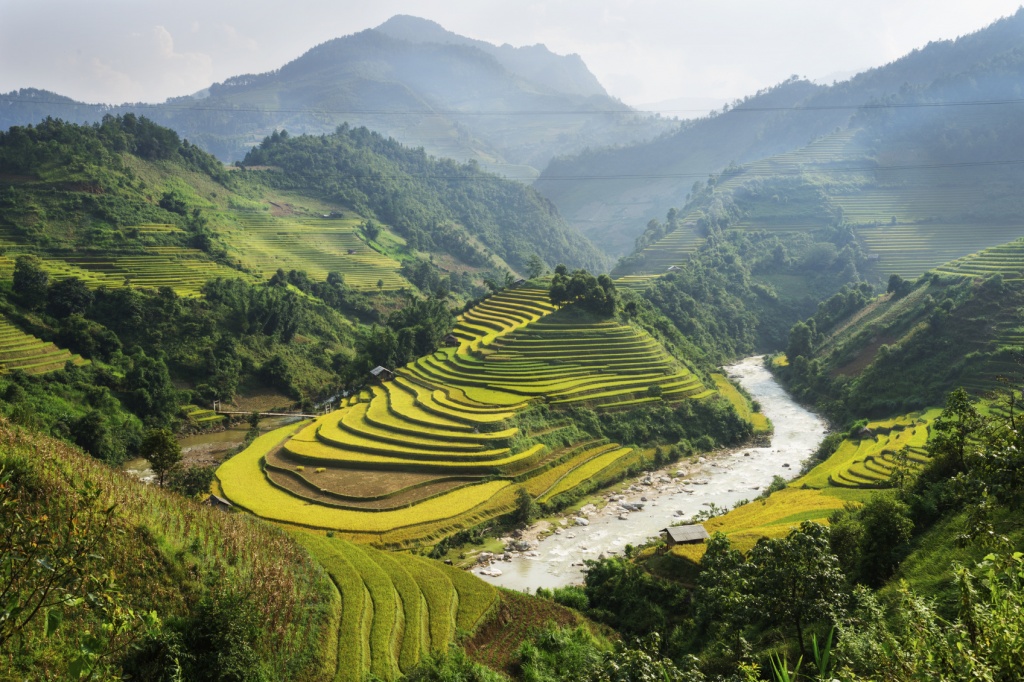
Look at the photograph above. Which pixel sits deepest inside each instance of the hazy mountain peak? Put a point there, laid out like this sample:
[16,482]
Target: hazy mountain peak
[535,63]
[419,30]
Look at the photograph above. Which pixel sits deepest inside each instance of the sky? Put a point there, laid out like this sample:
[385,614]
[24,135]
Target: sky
[680,53]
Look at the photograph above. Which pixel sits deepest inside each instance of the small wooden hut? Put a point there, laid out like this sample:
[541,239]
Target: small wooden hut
[219,503]
[685,535]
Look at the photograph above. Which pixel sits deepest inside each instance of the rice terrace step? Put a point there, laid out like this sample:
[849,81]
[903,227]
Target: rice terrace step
[437,448]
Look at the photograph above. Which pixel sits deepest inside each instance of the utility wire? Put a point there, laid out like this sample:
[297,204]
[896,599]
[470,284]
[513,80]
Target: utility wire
[197,106]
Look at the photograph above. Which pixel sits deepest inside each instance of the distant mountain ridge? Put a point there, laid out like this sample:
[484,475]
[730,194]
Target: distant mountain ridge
[612,193]
[561,73]
[510,109]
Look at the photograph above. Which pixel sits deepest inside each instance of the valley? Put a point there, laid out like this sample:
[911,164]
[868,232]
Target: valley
[399,365]
[680,492]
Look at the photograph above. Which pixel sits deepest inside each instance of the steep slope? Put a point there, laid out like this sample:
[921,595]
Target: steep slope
[435,204]
[566,74]
[911,200]
[104,549]
[611,193]
[509,109]
[450,441]
[956,326]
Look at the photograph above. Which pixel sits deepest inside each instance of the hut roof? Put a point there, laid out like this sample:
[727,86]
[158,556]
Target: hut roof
[693,533]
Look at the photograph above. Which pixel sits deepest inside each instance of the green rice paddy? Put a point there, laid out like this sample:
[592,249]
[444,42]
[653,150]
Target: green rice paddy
[265,244]
[22,351]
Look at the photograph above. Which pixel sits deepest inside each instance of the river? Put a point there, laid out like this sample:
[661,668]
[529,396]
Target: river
[722,479]
[208,448]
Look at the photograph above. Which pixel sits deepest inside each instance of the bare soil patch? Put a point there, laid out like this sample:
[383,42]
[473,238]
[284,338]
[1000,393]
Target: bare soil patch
[864,357]
[299,485]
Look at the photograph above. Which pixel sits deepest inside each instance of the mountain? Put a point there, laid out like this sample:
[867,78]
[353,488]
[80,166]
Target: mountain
[510,109]
[915,180]
[610,194]
[566,74]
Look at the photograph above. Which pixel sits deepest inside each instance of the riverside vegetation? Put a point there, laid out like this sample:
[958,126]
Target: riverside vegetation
[140,280]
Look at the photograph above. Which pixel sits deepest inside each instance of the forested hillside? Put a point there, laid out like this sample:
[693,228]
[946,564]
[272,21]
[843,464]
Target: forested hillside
[146,280]
[955,327]
[435,204]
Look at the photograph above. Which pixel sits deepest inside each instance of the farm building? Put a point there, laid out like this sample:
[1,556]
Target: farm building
[685,535]
[518,283]
[451,341]
[382,374]
[219,503]
[673,268]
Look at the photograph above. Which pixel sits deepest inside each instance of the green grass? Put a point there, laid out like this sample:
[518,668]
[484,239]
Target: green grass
[265,244]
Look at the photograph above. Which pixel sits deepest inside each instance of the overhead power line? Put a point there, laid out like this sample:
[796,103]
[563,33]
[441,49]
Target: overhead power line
[197,105]
[739,170]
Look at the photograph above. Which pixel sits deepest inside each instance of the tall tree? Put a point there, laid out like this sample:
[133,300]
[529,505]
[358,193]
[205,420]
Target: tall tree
[163,452]
[30,281]
[796,580]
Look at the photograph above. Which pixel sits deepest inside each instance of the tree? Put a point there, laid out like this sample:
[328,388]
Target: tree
[952,430]
[534,267]
[887,530]
[796,580]
[191,481]
[800,338]
[371,229]
[163,452]
[30,281]
[597,295]
[526,508]
[68,297]
[722,599]
[148,382]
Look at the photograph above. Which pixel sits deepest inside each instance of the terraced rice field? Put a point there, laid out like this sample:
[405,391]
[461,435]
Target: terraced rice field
[869,462]
[1004,259]
[911,250]
[675,248]
[858,468]
[185,270]
[201,416]
[437,448]
[21,351]
[265,244]
[395,608]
